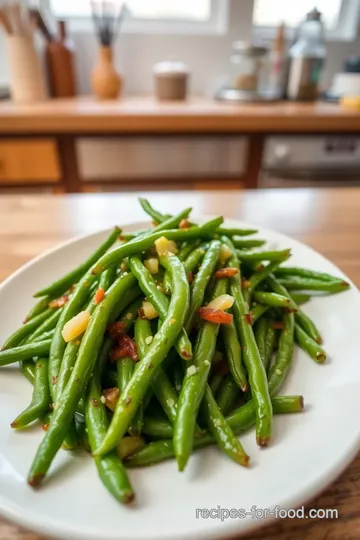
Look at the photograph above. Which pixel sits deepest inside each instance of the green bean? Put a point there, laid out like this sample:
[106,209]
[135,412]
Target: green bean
[159,301]
[67,365]
[253,256]
[159,348]
[227,395]
[193,387]
[221,431]
[258,311]
[190,264]
[228,231]
[187,249]
[256,372]
[259,277]
[260,333]
[110,468]
[27,368]
[126,368]
[304,321]
[300,299]
[24,352]
[39,307]
[269,347]
[177,375]
[71,308]
[40,399]
[157,427]
[66,406]
[59,286]
[49,324]
[274,300]
[240,420]
[17,337]
[201,281]
[247,244]
[233,353]
[307,284]
[43,337]
[145,242]
[107,278]
[304,273]
[279,369]
[129,445]
[154,214]
[310,346]
[215,382]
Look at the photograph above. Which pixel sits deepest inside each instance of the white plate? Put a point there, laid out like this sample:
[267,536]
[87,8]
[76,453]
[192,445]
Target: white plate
[308,450]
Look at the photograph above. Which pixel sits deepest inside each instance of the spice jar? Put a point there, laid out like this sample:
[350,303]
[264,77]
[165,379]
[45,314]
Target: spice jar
[247,62]
[171,80]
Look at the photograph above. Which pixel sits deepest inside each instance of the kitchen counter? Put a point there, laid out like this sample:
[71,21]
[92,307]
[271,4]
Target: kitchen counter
[326,220]
[144,115]
[40,144]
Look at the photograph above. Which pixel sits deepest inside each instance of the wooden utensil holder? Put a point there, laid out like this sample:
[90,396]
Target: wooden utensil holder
[27,78]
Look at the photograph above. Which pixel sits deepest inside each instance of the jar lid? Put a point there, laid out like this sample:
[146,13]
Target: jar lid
[171,68]
[249,49]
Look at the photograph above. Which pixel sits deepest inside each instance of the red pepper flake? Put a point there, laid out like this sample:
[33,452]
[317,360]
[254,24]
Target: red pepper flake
[99,296]
[111,396]
[45,426]
[184,224]
[126,347]
[278,325]
[190,277]
[217,316]
[116,330]
[246,284]
[226,273]
[54,379]
[249,318]
[59,302]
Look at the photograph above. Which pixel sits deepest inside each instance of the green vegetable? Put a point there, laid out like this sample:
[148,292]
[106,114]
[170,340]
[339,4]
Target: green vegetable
[62,284]
[40,399]
[24,352]
[233,353]
[310,346]
[255,368]
[279,369]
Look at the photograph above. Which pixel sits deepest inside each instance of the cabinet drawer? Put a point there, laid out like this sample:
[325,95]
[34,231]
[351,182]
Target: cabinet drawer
[161,157]
[25,160]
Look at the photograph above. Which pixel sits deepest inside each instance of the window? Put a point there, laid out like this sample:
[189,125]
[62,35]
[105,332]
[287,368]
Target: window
[339,16]
[162,15]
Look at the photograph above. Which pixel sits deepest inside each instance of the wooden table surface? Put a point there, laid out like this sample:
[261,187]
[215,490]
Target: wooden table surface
[327,220]
[145,114]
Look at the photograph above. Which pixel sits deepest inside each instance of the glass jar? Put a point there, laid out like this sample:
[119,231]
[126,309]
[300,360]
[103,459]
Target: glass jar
[247,63]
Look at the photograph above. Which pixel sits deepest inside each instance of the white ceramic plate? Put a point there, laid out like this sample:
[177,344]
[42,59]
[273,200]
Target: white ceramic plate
[308,450]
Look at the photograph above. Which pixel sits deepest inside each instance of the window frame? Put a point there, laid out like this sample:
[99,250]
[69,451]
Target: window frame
[217,24]
[346,30]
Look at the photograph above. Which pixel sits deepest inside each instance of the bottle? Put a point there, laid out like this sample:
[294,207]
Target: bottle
[60,64]
[277,65]
[307,57]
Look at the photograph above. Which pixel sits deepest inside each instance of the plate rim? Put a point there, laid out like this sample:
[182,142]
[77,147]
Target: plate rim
[20,515]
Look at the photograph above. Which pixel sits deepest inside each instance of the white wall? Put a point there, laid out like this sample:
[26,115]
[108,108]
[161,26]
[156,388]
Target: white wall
[207,56]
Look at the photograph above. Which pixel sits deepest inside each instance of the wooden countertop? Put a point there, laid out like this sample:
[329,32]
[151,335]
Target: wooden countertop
[144,114]
[327,220]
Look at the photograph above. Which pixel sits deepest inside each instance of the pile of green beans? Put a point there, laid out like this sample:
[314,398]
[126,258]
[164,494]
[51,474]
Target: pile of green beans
[156,374]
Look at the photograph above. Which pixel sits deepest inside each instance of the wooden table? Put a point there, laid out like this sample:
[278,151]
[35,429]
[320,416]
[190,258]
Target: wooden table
[327,220]
[51,132]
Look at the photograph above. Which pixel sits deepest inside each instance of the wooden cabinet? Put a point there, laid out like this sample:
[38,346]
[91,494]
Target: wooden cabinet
[30,161]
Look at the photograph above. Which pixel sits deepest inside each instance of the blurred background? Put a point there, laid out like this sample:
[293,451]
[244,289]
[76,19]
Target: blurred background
[174,94]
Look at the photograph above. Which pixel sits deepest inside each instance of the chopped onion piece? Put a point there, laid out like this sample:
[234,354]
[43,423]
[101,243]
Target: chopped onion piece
[225,301]
[76,326]
[152,265]
[149,310]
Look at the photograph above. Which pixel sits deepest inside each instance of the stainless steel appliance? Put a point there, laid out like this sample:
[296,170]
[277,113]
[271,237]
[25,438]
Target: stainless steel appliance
[293,161]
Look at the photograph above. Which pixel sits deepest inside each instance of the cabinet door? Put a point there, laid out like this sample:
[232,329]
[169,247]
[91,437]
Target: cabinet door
[29,160]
